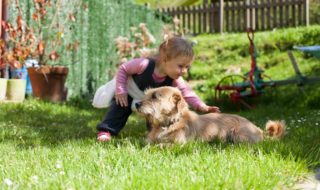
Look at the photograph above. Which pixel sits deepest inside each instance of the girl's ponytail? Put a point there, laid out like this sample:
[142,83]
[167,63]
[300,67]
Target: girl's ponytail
[173,47]
[166,39]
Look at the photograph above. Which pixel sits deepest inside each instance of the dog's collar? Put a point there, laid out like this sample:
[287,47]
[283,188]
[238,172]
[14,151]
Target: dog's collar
[171,121]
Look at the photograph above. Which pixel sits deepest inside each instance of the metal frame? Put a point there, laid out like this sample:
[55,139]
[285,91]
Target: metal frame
[255,81]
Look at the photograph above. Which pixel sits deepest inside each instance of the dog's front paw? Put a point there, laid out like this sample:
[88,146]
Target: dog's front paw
[162,134]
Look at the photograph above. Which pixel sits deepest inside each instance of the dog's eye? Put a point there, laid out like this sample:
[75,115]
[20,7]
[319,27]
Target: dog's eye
[154,95]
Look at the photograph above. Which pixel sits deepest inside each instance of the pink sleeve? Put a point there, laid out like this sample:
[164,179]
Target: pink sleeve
[188,94]
[134,66]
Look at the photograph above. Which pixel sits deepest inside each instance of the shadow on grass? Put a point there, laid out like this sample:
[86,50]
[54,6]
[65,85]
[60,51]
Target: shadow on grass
[42,123]
[37,123]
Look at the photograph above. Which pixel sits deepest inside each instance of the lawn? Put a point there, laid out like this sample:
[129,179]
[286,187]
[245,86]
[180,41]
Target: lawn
[53,146]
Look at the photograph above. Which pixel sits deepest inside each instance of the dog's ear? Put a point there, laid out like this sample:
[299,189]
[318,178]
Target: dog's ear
[176,98]
[179,101]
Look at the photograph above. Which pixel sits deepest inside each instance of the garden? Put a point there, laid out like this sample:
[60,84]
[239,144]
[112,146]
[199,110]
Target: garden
[52,144]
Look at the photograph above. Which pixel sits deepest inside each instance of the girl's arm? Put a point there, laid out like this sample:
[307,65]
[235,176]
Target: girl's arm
[188,94]
[192,99]
[134,66]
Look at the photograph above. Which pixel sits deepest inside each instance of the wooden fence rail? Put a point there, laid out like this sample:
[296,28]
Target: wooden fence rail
[237,15]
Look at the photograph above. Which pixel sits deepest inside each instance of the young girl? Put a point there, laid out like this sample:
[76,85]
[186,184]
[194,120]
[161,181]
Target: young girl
[166,69]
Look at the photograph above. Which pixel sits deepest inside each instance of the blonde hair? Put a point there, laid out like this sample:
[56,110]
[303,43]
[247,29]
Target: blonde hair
[175,47]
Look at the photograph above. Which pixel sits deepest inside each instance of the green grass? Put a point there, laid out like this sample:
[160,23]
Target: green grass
[53,146]
[50,146]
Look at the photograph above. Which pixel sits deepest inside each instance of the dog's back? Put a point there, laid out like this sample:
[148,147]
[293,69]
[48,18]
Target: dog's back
[224,127]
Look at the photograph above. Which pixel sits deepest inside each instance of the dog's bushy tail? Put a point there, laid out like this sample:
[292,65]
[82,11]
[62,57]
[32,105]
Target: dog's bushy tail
[275,129]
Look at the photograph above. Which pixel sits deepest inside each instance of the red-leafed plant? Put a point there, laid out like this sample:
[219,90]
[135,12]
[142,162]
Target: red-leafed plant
[45,37]
[139,44]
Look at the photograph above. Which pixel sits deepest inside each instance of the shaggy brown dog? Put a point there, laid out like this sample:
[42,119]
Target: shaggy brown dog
[172,121]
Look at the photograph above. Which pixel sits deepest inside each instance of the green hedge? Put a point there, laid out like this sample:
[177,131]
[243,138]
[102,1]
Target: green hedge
[107,20]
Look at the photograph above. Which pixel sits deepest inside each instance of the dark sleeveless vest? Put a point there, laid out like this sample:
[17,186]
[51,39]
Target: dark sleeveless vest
[145,79]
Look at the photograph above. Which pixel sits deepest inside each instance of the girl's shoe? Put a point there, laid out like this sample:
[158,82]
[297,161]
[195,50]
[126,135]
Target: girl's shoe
[103,136]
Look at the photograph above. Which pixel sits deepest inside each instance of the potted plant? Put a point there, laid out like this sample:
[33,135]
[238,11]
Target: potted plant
[12,90]
[43,39]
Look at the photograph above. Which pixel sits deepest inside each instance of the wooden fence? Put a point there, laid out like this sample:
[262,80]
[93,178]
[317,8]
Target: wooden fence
[237,15]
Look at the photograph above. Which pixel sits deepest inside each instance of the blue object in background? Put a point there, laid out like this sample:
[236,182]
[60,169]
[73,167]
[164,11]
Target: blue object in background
[313,50]
[22,73]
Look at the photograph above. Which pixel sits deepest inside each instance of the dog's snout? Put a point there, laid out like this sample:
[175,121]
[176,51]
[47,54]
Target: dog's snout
[138,104]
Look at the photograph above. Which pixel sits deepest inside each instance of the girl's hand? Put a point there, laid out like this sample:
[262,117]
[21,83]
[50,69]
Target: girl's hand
[122,99]
[209,109]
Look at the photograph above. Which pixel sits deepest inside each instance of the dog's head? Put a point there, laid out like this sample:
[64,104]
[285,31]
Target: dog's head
[161,105]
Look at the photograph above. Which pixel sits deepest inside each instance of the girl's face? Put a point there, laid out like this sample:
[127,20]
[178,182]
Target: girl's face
[177,67]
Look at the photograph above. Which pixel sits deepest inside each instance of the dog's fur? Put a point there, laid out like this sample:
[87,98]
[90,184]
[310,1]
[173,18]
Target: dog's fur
[171,121]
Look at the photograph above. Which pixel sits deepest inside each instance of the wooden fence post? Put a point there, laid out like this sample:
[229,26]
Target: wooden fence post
[307,12]
[248,14]
[253,15]
[216,16]
[221,16]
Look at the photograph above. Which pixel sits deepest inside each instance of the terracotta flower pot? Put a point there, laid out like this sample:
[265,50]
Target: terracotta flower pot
[3,88]
[48,82]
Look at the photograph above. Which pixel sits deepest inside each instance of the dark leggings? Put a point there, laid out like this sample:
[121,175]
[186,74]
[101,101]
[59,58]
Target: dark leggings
[116,118]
